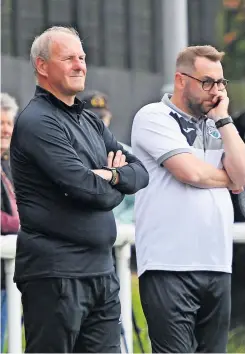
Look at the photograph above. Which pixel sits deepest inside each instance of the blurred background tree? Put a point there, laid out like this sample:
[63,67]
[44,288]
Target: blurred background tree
[234,38]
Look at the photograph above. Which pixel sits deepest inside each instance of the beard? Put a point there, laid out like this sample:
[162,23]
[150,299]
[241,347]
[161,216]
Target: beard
[195,107]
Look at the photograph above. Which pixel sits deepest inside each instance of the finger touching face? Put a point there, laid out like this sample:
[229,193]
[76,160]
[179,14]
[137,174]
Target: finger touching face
[199,100]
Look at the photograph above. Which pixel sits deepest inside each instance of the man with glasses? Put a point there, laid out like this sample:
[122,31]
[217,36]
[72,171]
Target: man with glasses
[184,218]
[208,83]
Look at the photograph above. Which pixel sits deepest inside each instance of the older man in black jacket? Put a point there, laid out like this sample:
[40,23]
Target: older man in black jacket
[69,173]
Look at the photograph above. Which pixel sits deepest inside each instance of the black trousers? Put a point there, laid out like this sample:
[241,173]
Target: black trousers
[72,315]
[186,311]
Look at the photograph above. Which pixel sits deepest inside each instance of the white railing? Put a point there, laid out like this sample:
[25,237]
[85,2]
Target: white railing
[122,246]
[8,247]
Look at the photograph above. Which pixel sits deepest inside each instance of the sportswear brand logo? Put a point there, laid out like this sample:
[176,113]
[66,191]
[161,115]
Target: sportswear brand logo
[188,130]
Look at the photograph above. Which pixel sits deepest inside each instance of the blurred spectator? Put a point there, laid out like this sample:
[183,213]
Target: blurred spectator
[97,102]
[9,214]
[239,199]
[240,124]
[238,266]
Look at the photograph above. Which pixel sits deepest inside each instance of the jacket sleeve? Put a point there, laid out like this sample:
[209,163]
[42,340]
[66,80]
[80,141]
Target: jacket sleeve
[133,176]
[47,143]
[9,223]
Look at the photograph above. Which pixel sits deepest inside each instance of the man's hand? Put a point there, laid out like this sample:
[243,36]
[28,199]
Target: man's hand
[235,189]
[113,160]
[116,160]
[221,109]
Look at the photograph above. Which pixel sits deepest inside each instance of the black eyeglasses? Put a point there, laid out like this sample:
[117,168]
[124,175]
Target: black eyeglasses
[208,84]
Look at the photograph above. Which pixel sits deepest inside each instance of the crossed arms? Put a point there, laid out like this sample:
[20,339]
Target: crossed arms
[46,143]
[161,136]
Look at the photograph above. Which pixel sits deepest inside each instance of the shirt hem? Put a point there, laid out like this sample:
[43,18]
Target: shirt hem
[186,268]
[21,279]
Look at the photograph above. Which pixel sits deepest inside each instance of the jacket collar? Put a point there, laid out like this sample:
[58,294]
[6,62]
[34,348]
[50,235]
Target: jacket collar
[77,107]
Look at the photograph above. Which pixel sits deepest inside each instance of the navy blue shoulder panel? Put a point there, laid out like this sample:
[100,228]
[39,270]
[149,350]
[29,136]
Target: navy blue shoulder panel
[188,129]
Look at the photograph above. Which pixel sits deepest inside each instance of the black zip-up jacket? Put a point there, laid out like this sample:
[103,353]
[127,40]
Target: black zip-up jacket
[67,224]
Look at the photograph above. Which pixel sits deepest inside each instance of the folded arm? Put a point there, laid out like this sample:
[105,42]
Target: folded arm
[46,142]
[188,169]
[161,137]
[133,176]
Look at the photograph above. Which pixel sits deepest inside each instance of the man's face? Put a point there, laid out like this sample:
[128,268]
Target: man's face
[197,100]
[66,68]
[7,126]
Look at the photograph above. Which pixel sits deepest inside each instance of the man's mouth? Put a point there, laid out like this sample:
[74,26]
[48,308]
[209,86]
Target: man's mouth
[210,103]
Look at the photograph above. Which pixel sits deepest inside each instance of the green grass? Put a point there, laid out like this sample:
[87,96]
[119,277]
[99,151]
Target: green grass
[237,340]
[140,319]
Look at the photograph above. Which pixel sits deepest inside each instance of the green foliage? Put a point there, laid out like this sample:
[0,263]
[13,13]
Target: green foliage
[231,33]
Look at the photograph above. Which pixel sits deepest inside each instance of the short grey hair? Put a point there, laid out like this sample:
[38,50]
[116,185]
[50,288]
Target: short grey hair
[41,44]
[9,104]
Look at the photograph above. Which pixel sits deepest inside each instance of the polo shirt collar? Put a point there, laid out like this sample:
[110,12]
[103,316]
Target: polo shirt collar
[167,100]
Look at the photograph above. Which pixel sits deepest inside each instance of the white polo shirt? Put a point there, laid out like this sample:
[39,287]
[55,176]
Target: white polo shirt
[179,227]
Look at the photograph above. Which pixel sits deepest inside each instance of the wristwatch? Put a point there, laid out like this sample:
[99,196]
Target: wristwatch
[114,174]
[223,121]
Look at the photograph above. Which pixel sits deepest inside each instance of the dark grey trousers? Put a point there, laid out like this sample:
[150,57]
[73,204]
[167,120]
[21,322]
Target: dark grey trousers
[72,315]
[186,311]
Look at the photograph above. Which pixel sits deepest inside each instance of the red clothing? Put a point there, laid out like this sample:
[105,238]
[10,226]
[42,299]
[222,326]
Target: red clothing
[9,222]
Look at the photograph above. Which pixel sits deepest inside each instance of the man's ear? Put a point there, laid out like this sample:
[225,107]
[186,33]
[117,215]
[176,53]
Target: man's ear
[179,80]
[41,66]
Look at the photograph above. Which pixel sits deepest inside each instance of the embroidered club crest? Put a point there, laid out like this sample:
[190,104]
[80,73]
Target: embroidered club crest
[214,132]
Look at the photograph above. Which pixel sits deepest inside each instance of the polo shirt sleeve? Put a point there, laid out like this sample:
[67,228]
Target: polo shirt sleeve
[160,136]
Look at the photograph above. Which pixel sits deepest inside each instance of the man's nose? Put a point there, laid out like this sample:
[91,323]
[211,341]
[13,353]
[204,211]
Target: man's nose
[78,65]
[5,129]
[214,90]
